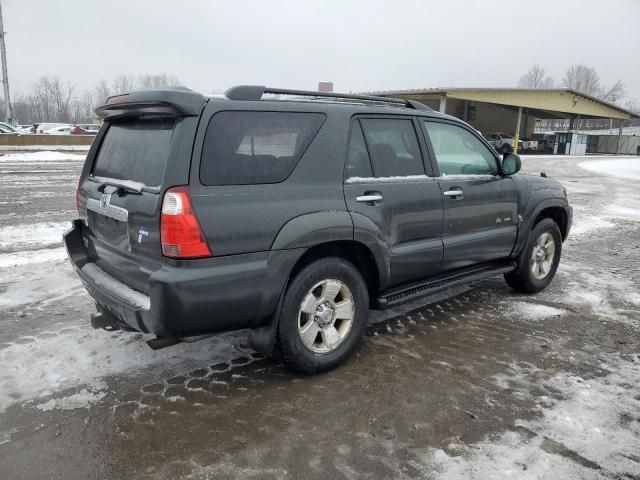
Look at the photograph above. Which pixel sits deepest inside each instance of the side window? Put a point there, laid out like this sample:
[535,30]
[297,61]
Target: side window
[393,147]
[244,148]
[459,152]
[358,164]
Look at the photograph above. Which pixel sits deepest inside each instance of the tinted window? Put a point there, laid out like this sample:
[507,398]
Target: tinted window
[242,148]
[135,150]
[459,152]
[393,147]
[358,164]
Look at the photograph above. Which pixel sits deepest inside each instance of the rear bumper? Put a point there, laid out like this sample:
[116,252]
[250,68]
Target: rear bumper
[192,297]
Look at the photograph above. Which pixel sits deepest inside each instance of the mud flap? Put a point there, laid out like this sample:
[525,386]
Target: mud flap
[263,339]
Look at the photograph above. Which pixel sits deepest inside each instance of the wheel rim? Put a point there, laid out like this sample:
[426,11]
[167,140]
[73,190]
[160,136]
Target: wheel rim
[544,252]
[325,316]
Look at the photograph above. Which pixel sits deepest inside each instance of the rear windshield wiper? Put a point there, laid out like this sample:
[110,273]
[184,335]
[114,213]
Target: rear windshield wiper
[127,186]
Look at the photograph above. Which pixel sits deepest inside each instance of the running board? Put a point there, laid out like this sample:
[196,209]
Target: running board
[418,290]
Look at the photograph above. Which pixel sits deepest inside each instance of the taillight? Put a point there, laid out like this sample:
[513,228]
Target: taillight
[180,232]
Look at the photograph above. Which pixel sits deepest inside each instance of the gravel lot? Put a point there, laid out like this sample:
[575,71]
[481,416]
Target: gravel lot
[485,383]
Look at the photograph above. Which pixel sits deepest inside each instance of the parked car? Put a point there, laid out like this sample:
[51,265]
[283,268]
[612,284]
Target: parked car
[63,130]
[294,217]
[26,129]
[529,145]
[85,129]
[502,142]
[43,127]
[6,128]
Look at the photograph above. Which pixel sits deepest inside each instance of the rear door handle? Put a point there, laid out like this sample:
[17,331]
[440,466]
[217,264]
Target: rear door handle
[452,193]
[370,198]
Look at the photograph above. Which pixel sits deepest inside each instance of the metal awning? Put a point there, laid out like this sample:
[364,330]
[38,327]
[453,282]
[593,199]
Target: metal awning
[540,102]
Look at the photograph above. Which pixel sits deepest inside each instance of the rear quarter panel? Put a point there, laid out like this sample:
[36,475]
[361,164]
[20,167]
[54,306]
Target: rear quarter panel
[247,218]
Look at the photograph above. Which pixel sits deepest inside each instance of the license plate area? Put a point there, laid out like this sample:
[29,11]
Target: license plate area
[111,231]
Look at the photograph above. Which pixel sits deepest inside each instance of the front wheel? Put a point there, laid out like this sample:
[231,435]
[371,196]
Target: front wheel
[324,315]
[538,262]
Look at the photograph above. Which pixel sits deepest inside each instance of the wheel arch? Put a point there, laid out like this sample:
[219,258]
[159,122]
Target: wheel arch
[559,215]
[555,208]
[354,252]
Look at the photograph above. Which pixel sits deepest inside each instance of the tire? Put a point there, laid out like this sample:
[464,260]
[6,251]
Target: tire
[523,278]
[311,311]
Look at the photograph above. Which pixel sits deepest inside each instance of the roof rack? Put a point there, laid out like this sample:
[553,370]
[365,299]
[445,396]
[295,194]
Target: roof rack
[255,93]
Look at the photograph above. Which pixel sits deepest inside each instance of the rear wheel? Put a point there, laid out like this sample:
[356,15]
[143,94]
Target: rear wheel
[323,316]
[538,262]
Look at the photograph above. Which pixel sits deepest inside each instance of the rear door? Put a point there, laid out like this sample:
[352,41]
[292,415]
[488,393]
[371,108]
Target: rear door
[122,190]
[386,182]
[480,206]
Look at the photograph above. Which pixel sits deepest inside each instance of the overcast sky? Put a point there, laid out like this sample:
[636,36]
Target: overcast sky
[359,45]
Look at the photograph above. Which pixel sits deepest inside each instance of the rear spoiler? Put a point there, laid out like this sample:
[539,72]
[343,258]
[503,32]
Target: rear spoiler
[178,101]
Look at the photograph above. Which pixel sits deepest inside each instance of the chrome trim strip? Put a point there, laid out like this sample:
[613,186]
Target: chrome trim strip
[108,210]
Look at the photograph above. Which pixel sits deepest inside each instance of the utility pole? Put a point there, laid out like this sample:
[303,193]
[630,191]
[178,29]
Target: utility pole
[5,78]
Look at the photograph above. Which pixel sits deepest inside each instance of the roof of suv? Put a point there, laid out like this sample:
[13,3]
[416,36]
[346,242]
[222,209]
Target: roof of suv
[187,102]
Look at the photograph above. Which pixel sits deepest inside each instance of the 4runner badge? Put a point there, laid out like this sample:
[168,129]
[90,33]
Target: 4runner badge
[142,233]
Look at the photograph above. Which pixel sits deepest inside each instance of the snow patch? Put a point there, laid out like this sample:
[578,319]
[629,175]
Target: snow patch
[32,235]
[628,168]
[45,156]
[532,311]
[83,399]
[34,289]
[403,179]
[623,212]
[587,424]
[589,224]
[50,148]
[80,356]
[32,257]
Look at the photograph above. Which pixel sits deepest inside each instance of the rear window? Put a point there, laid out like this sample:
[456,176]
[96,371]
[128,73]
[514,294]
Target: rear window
[243,148]
[135,149]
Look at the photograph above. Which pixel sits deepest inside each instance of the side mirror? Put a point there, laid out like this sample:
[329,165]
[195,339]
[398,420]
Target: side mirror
[511,164]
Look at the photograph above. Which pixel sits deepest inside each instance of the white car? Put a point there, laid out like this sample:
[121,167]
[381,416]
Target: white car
[43,127]
[6,128]
[64,130]
[25,129]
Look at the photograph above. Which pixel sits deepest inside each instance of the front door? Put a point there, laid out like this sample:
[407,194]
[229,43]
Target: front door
[386,184]
[480,206]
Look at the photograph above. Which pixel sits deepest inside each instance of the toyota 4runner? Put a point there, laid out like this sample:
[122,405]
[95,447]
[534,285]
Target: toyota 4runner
[293,213]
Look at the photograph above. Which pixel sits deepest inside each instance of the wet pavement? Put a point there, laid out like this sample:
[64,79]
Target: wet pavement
[434,390]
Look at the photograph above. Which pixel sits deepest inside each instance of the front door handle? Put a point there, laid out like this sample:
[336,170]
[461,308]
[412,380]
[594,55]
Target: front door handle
[369,198]
[452,193]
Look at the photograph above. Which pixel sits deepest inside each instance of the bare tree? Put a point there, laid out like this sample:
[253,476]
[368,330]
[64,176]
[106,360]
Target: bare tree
[583,79]
[535,78]
[102,92]
[633,105]
[586,80]
[123,84]
[614,93]
[157,80]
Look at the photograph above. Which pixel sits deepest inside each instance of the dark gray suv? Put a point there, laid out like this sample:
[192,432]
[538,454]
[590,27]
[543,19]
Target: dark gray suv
[293,213]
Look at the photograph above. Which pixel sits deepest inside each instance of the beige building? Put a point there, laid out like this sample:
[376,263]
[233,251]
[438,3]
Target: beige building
[511,110]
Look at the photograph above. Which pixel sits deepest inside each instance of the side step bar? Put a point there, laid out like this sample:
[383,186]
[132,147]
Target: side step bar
[419,290]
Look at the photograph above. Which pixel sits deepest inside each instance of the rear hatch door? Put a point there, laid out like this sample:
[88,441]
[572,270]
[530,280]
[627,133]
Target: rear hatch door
[138,157]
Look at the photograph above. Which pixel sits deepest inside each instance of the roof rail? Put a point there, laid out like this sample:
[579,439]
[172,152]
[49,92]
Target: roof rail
[255,93]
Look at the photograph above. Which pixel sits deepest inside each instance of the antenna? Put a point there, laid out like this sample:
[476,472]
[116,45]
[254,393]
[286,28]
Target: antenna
[5,77]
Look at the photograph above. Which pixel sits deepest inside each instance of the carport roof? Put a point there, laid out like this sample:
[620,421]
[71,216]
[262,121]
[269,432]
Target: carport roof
[547,102]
